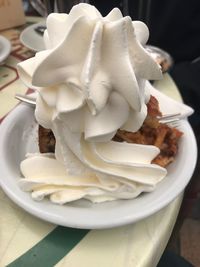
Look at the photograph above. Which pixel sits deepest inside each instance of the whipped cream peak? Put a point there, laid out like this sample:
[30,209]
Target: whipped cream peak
[102,42]
[91,81]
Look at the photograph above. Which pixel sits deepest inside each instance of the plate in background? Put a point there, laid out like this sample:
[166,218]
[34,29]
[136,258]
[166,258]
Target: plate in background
[5,48]
[32,39]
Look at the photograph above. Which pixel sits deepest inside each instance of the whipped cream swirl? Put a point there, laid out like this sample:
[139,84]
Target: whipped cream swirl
[91,81]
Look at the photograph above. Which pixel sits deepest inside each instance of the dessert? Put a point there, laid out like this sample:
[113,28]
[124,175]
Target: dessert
[92,81]
[152,132]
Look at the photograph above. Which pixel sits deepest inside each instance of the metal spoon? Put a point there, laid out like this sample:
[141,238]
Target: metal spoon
[26,99]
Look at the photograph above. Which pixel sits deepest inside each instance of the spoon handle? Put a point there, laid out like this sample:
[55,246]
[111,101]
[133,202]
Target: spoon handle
[26,99]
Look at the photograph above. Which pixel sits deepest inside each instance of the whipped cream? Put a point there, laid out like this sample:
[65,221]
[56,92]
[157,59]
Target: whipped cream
[91,81]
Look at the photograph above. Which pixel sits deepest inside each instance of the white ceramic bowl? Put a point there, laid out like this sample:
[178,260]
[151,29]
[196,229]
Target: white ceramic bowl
[19,135]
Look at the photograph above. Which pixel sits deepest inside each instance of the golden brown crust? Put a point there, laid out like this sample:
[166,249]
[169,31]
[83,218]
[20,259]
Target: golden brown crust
[154,133]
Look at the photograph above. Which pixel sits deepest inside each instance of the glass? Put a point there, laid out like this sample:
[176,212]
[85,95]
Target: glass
[39,6]
[45,7]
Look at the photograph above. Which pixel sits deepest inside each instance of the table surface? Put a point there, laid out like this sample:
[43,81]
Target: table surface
[28,241]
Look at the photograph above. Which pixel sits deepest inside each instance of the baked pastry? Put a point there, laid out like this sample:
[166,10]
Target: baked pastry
[152,132]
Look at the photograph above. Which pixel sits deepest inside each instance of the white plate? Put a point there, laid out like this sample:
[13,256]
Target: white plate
[31,39]
[18,136]
[5,48]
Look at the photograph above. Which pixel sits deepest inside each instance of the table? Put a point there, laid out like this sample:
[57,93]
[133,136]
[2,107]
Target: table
[29,241]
